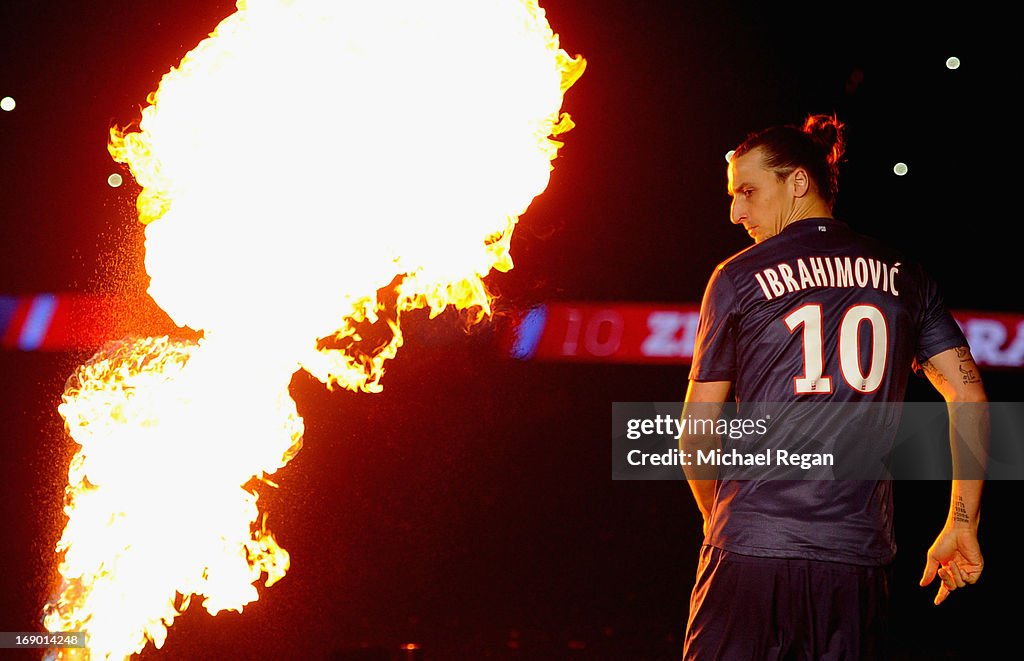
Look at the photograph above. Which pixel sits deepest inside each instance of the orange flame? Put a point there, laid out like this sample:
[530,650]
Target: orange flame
[309,171]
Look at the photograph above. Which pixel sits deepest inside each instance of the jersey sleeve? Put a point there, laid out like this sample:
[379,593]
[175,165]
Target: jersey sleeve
[939,330]
[714,352]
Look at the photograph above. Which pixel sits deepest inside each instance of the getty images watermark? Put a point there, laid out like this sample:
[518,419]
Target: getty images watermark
[819,441]
[728,428]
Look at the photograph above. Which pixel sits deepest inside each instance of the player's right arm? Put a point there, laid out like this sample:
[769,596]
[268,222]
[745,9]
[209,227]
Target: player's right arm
[704,400]
[712,374]
[955,556]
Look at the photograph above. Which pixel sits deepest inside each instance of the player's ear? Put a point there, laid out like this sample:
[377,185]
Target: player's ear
[799,182]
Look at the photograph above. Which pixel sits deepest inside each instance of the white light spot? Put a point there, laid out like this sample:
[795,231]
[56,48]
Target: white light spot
[953,63]
[900,169]
[7,103]
[728,155]
[114,180]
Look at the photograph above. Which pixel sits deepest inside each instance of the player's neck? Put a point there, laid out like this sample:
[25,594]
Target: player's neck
[808,208]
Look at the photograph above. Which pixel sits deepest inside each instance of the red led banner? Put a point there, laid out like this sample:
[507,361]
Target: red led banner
[594,332]
[652,333]
[57,322]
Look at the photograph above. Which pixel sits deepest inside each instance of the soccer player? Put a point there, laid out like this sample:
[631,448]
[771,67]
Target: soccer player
[816,315]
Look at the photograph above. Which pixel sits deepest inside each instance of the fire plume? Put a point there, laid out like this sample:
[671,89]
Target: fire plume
[310,169]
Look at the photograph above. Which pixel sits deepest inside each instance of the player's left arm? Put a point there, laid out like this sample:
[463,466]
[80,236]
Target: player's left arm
[704,400]
[955,556]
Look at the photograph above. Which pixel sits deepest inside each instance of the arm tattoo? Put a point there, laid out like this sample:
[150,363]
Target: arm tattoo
[967,374]
[960,511]
[933,373]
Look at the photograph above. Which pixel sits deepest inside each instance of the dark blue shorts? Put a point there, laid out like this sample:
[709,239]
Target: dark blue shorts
[749,608]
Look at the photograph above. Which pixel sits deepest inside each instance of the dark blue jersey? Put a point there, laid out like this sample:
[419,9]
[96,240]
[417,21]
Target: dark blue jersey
[814,318]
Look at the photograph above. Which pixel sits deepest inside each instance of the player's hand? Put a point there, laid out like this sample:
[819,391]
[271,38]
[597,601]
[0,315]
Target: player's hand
[955,558]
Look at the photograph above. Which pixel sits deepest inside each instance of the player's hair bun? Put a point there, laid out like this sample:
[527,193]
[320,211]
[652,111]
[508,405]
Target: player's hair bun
[827,131]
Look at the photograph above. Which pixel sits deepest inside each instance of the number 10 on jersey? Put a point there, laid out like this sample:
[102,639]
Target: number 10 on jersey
[814,381]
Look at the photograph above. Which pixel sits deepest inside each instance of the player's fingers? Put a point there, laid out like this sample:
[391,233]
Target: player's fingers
[947,581]
[954,571]
[929,571]
[942,594]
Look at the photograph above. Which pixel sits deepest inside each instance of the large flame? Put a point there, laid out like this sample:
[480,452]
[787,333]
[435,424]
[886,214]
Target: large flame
[309,172]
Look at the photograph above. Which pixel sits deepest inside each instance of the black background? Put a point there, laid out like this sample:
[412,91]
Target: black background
[469,508]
